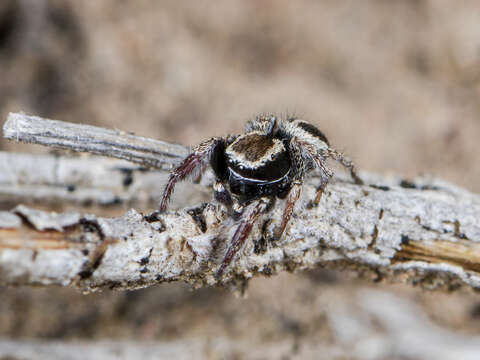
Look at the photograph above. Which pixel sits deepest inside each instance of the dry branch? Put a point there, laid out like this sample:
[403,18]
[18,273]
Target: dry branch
[92,139]
[425,231]
[50,179]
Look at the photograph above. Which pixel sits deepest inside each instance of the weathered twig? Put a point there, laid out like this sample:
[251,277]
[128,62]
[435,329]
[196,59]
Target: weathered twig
[92,139]
[84,180]
[426,231]
[423,233]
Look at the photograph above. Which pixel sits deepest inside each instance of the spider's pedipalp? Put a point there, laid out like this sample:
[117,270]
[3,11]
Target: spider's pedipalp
[221,194]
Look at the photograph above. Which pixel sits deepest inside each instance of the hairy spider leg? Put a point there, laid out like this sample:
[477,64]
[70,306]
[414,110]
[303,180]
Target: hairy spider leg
[325,177]
[298,169]
[250,216]
[292,197]
[196,161]
[311,153]
[346,162]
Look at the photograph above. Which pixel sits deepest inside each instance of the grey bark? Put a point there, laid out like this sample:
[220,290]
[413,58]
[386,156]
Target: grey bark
[80,181]
[92,139]
[423,232]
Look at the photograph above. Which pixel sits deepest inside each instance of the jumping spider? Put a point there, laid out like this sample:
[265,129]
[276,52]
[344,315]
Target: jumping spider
[270,160]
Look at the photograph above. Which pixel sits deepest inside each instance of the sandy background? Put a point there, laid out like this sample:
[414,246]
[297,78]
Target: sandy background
[395,84]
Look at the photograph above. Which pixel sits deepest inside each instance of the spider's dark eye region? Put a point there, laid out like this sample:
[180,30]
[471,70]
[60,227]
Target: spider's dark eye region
[312,130]
[258,158]
[270,171]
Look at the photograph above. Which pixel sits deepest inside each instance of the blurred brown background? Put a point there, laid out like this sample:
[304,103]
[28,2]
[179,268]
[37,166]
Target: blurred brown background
[395,84]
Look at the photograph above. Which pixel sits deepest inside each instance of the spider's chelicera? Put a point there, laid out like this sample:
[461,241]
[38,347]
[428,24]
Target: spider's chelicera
[270,160]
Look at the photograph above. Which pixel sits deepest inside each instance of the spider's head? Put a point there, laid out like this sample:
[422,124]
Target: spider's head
[257,165]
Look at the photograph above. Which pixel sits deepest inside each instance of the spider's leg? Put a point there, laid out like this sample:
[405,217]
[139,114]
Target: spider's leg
[242,232]
[303,155]
[196,161]
[307,153]
[325,176]
[292,197]
[338,156]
